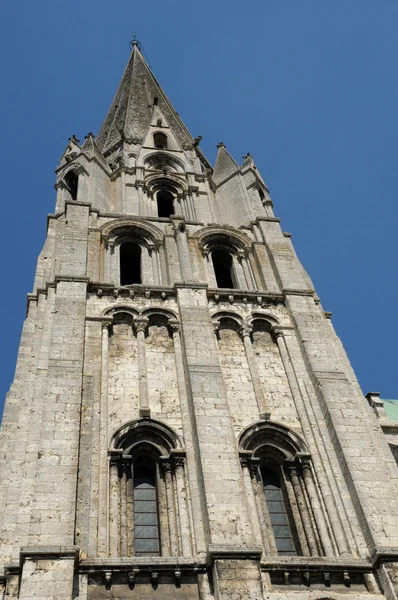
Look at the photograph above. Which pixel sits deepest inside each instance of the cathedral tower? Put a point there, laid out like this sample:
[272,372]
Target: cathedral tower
[184,422]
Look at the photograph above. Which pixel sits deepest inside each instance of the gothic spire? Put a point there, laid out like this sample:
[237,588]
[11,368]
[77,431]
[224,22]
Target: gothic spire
[131,110]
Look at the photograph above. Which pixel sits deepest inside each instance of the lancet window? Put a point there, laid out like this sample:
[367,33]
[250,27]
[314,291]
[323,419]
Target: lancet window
[160,140]
[148,513]
[71,180]
[130,263]
[165,203]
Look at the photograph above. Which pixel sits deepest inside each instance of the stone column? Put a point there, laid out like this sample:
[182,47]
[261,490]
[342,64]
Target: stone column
[141,204]
[267,532]
[246,271]
[209,269]
[316,508]
[171,512]
[183,250]
[114,494]
[245,462]
[239,273]
[334,517]
[185,530]
[154,261]
[123,190]
[302,506]
[81,184]
[130,512]
[164,279]
[123,510]
[187,425]
[103,446]
[263,409]
[141,325]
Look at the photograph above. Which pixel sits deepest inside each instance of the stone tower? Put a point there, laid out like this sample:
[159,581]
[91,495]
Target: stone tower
[184,422]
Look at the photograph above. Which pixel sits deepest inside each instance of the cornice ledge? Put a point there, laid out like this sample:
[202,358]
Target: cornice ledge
[389,427]
[190,285]
[227,551]
[76,203]
[297,292]
[266,219]
[72,278]
[45,552]
[324,563]
[154,563]
[382,554]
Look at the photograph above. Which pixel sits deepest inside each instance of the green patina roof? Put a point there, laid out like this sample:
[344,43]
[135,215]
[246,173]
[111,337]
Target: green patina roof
[391,408]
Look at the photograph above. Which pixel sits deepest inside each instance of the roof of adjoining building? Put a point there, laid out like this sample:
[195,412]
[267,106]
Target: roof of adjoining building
[391,408]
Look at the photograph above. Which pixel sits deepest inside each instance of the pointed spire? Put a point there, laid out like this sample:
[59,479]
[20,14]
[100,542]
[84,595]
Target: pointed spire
[225,164]
[131,111]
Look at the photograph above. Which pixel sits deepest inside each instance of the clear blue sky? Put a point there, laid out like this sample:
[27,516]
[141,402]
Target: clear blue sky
[308,87]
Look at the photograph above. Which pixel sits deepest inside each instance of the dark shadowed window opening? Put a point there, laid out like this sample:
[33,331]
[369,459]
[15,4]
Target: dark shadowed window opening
[130,263]
[72,180]
[261,193]
[160,141]
[278,513]
[146,524]
[222,263]
[165,204]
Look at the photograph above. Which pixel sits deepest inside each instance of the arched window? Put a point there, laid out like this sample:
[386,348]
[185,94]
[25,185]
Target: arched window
[146,522]
[148,506]
[222,263]
[160,140]
[278,513]
[72,180]
[280,479]
[130,263]
[165,203]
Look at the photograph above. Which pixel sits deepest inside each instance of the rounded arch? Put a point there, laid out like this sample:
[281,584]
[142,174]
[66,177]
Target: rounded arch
[274,439]
[163,312]
[226,237]
[112,311]
[223,315]
[128,228]
[264,315]
[158,161]
[134,435]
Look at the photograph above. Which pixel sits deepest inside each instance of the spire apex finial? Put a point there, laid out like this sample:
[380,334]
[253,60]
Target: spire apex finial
[135,42]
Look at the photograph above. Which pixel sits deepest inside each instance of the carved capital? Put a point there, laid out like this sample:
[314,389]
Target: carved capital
[278,333]
[175,326]
[216,327]
[141,323]
[166,465]
[245,331]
